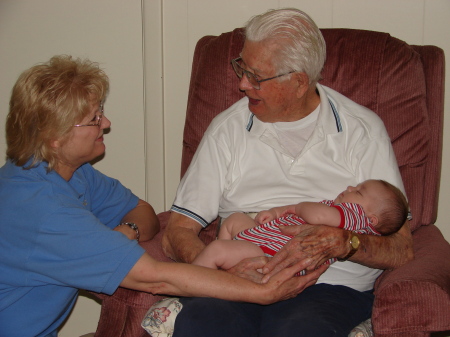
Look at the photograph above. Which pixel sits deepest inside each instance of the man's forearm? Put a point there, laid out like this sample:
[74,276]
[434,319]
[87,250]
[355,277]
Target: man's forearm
[319,243]
[180,241]
[385,252]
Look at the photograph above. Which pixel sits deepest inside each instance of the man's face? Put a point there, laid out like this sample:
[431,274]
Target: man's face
[277,100]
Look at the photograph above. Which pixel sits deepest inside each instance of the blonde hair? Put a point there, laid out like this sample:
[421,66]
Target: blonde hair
[46,101]
[301,46]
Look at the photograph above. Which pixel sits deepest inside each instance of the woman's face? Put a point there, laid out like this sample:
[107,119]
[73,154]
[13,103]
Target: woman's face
[84,143]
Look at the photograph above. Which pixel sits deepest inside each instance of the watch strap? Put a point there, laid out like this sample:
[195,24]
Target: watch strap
[352,251]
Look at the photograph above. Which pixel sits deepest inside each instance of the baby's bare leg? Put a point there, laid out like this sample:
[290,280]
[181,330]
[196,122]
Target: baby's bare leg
[234,224]
[224,254]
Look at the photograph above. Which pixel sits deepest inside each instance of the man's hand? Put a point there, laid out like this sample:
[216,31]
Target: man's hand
[311,246]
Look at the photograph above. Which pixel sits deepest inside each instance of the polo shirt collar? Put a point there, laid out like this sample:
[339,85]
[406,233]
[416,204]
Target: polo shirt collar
[327,125]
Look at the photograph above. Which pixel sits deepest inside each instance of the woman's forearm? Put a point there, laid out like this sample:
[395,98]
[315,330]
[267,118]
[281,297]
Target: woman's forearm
[145,219]
[182,279]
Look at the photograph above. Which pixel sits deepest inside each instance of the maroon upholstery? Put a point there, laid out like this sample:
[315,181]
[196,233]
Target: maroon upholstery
[122,313]
[404,85]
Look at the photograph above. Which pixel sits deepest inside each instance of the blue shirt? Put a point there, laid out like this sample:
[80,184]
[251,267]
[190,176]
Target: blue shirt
[56,238]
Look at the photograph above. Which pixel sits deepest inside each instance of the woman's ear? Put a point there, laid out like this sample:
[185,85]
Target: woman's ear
[55,144]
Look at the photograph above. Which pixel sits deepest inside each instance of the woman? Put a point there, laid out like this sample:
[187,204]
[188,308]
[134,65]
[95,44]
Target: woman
[65,226]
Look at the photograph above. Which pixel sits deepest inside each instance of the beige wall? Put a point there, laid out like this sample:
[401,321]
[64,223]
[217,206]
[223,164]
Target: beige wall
[146,48]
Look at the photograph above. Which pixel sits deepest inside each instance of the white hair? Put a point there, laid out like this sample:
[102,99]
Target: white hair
[300,44]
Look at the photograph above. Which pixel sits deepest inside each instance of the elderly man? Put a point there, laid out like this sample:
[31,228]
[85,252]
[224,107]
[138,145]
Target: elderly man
[289,140]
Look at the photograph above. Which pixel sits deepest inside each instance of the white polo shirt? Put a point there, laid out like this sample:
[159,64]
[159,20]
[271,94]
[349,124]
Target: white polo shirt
[240,166]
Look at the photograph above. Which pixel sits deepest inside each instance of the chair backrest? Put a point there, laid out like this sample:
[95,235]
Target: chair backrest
[403,84]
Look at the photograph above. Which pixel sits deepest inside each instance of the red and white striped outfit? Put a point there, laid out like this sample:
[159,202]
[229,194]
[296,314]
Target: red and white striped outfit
[270,239]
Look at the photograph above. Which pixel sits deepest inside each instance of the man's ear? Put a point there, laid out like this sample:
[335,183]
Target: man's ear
[302,83]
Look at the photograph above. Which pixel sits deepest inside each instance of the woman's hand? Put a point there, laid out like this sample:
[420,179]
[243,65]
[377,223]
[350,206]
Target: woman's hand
[250,268]
[312,245]
[283,285]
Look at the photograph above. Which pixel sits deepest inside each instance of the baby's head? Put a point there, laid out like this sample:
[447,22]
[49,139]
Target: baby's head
[383,203]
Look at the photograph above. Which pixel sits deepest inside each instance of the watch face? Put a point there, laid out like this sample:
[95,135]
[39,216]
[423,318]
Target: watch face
[355,242]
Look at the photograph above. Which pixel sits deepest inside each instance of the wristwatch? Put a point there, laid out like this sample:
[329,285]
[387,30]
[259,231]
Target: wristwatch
[133,226]
[354,245]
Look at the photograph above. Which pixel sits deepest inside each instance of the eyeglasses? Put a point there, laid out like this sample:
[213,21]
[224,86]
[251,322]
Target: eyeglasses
[97,120]
[252,78]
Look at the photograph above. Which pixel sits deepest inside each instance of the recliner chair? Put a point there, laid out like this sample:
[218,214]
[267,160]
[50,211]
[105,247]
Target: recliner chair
[404,85]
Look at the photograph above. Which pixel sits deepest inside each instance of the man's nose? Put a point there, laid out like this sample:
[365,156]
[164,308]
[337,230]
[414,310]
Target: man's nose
[244,84]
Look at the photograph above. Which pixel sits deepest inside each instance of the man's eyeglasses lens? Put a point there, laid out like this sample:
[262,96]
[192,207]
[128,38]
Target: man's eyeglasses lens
[252,79]
[241,71]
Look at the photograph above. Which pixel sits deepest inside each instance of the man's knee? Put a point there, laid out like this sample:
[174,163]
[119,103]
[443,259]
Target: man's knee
[321,310]
[209,316]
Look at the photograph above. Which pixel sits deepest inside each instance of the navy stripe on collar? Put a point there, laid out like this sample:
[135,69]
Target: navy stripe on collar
[250,122]
[336,116]
[333,108]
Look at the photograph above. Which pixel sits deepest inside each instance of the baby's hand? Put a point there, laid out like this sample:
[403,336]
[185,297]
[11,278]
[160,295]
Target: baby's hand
[286,212]
[263,217]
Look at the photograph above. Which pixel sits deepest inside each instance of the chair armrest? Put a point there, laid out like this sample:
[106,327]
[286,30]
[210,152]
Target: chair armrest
[414,299]
[122,313]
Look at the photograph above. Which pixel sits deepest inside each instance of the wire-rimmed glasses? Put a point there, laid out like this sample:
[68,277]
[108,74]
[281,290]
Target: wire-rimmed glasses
[252,78]
[97,120]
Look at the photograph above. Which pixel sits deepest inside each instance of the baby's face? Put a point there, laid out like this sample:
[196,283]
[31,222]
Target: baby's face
[367,194]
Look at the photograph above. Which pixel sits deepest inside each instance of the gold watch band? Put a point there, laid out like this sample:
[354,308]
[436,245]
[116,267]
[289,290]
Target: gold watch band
[354,246]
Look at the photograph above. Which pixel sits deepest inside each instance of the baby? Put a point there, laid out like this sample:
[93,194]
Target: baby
[372,207]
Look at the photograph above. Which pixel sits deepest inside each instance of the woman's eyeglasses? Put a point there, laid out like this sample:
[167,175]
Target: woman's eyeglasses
[97,120]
